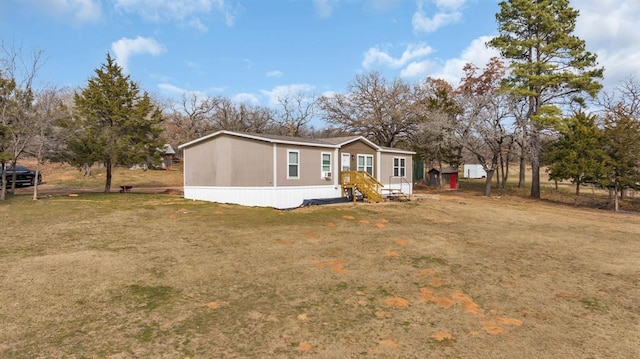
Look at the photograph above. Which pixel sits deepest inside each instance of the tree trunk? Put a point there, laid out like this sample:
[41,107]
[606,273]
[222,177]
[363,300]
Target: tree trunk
[505,174]
[487,183]
[3,180]
[523,167]
[577,192]
[107,185]
[535,165]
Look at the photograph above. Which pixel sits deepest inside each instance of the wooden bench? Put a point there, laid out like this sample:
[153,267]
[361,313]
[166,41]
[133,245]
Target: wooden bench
[124,189]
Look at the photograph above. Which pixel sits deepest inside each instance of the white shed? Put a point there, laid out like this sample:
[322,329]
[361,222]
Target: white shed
[474,171]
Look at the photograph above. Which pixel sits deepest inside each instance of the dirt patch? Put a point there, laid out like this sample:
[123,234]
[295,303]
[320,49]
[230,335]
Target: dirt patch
[396,302]
[304,347]
[216,305]
[402,242]
[336,265]
[389,343]
[441,336]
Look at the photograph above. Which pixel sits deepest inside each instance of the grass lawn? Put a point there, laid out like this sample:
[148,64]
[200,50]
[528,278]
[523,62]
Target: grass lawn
[458,276]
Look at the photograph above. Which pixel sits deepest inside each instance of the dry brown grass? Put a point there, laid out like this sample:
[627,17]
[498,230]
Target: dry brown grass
[462,276]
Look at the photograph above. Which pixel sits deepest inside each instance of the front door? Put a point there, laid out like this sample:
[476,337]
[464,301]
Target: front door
[346,162]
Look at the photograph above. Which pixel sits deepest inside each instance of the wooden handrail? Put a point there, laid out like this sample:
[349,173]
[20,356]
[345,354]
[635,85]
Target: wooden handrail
[364,182]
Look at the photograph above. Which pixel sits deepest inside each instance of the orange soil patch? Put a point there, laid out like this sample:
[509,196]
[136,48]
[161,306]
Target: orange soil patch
[302,317]
[435,282]
[467,302]
[336,265]
[396,302]
[348,217]
[389,343]
[427,272]
[402,242]
[173,216]
[364,221]
[304,347]
[380,225]
[285,242]
[310,235]
[331,225]
[426,295]
[442,335]
[508,321]
[383,220]
[492,329]
[218,212]
[216,305]
[392,254]
[382,314]
[361,293]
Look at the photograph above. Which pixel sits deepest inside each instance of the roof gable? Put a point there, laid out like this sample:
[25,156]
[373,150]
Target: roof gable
[332,142]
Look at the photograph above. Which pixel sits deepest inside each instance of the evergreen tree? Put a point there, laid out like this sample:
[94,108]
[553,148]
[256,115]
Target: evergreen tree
[577,155]
[114,124]
[622,154]
[549,65]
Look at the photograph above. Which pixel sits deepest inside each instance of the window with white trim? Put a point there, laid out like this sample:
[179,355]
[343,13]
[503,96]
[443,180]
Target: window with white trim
[293,164]
[326,162]
[399,168]
[365,163]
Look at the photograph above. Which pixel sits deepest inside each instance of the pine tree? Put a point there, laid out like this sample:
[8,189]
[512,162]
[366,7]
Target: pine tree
[577,155]
[115,124]
[549,65]
[622,154]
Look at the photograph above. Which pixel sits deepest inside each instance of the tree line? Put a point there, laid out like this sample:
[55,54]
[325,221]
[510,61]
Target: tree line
[537,104]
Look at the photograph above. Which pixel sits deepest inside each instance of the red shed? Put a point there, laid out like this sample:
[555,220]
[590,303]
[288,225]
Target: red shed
[449,178]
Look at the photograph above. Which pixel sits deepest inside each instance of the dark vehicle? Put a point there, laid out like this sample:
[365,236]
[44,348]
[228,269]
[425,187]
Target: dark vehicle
[24,176]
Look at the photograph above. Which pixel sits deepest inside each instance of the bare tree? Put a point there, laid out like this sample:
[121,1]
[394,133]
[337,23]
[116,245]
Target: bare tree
[48,110]
[380,111]
[16,113]
[295,112]
[228,115]
[482,128]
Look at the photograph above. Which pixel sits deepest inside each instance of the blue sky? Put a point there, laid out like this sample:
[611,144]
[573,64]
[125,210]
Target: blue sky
[255,50]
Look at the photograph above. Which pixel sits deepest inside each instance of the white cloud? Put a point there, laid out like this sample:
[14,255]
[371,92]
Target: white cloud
[476,53]
[180,10]
[245,98]
[125,48]
[610,29]
[274,73]
[447,13]
[324,8]
[286,91]
[375,56]
[171,89]
[417,69]
[80,11]
[198,25]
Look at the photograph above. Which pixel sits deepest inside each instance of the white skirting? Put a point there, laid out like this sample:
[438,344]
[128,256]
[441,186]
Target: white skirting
[277,197]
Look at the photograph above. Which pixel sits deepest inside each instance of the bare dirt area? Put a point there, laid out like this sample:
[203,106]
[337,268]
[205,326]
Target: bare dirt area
[448,276]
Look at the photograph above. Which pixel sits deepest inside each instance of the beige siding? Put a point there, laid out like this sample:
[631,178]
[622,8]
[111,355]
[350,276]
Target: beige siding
[386,164]
[310,168]
[359,148]
[226,161]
